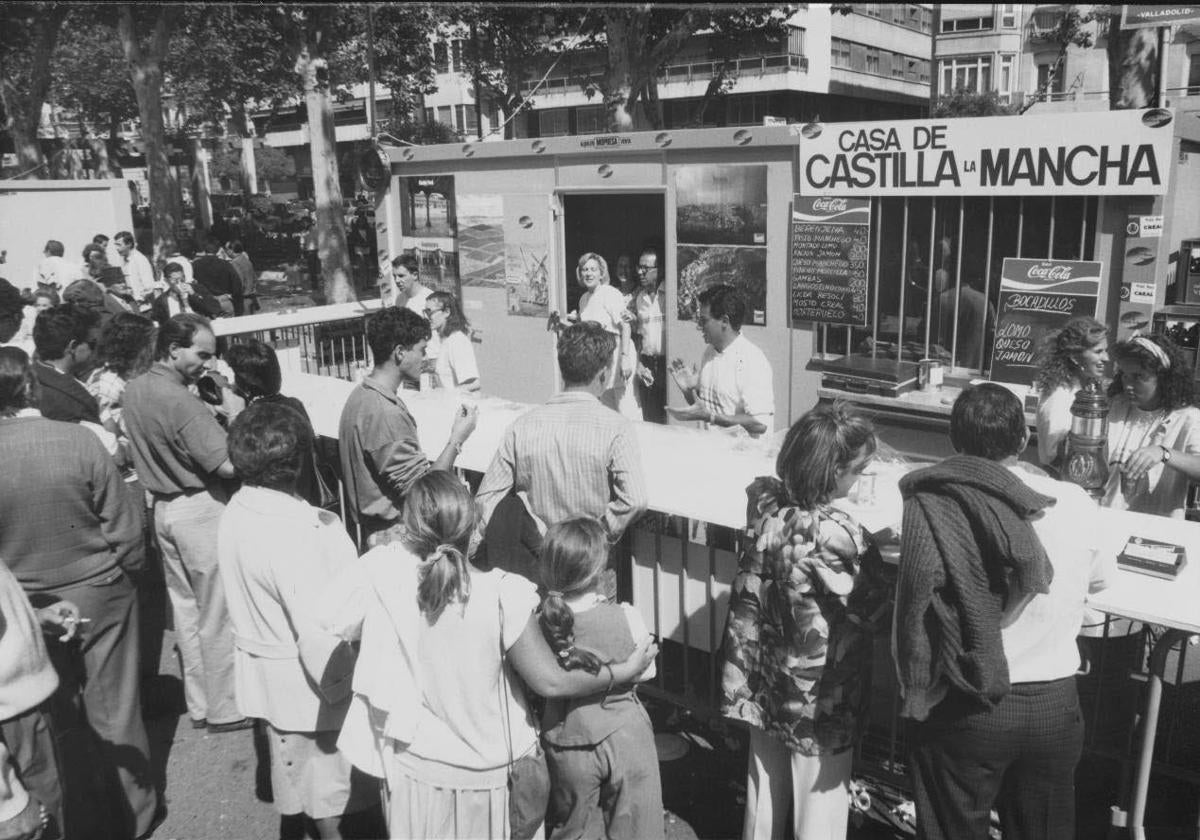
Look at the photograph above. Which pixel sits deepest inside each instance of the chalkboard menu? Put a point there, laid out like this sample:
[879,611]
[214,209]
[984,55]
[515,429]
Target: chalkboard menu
[830,248]
[1036,298]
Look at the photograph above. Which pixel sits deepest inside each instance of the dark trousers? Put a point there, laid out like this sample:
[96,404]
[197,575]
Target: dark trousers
[30,741]
[653,397]
[1019,757]
[98,714]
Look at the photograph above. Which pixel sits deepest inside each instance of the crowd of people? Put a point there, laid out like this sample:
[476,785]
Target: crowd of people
[474,672]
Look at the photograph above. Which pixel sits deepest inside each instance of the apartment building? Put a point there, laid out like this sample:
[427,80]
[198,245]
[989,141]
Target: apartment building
[872,63]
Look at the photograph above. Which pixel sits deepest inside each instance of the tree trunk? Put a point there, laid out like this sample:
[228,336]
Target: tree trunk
[145,72]
[202,192]
[1132,66]
[618,85]
[22,100]
[332,249]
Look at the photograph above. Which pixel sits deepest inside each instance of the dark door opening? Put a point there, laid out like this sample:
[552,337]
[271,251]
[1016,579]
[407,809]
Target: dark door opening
[617,227]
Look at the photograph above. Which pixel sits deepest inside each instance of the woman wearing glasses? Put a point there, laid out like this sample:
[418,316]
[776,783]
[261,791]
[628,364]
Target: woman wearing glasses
[1153,429]
[450,346]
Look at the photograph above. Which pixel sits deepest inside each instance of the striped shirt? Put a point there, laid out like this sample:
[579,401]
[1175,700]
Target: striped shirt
[574,457]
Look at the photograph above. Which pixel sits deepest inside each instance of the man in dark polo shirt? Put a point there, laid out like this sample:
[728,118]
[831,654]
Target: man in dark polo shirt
[216,277]
[179,450]
[380,453]
[65,337]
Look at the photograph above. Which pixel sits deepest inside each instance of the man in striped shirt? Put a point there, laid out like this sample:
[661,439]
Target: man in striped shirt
[572,456]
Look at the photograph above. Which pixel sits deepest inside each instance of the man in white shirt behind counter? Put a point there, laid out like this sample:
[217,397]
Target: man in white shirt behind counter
[733,386]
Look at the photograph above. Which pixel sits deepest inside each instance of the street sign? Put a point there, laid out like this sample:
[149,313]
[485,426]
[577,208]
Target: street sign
[1144,15]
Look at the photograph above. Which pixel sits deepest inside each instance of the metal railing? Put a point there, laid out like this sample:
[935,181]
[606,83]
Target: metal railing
[323,340]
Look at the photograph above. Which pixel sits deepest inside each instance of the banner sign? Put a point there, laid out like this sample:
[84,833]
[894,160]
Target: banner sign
[1144,15]
[1093,153]
[1036,298]
[828,266]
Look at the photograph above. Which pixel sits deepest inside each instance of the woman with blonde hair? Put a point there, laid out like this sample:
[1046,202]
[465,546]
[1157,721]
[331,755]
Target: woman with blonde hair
[438,710]
[1072,358]
[603,303]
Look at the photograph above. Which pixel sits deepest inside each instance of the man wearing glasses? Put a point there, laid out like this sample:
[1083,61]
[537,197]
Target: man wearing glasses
[649,327]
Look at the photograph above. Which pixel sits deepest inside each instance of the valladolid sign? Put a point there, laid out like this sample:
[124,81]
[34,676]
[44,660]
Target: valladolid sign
[1109,152]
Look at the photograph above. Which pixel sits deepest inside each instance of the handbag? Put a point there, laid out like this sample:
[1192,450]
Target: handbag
[529,775]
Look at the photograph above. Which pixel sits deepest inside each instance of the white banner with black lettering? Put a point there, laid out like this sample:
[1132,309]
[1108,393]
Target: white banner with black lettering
[1089,153]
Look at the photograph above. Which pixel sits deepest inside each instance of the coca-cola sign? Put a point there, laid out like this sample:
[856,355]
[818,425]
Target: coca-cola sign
[1049,272]
[830,205]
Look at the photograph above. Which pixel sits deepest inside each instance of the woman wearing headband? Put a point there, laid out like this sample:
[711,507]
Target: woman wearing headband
[1153,429]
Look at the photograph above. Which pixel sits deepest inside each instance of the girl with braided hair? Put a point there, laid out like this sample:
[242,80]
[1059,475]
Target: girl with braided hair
[437,708]
[600,747]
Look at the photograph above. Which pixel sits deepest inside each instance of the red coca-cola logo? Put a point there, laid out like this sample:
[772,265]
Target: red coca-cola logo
[1049,272]
[830,205]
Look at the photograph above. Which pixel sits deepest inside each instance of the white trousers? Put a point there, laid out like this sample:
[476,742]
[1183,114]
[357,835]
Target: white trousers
[819,787]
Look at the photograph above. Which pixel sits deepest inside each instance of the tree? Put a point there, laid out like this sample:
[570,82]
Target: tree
[1074,29]
[29,33]
[91,82]
[502,42]
[639,40]
[145,34]
[1132,65]
[965,102]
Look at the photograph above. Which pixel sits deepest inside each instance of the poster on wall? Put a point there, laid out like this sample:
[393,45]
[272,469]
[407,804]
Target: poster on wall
[828,260]
[1036,298]
[527,255]
[427,206]
[1138,275]
[717,204]
[436,268]
[481,239]
[701,266]
[1097,153]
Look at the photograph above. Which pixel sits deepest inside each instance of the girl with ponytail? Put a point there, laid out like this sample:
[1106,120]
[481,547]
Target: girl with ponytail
[604,741]
[437,710]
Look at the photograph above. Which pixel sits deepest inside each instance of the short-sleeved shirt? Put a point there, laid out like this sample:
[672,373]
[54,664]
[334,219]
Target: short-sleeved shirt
[455,360]
[647,306]
[177,443]
[737,380]
[1163,490]
[604,305]
[418,301]
[380,451]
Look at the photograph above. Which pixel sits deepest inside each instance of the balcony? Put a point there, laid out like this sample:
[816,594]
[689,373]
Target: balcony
[759,65]
[1044,22]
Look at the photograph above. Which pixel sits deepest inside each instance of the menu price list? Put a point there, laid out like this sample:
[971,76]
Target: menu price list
[829,272]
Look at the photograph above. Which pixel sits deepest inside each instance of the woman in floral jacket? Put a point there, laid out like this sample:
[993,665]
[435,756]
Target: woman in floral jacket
[806,603]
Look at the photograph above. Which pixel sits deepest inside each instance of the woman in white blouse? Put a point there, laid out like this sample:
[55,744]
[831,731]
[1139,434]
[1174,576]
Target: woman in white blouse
[1076,355]
[603,303]
[450,347]
[1153,428]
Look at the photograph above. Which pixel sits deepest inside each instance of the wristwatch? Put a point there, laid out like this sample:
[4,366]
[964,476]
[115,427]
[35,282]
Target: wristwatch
[1166,456]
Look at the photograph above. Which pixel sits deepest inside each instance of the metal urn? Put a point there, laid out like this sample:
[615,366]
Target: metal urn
[1085,463]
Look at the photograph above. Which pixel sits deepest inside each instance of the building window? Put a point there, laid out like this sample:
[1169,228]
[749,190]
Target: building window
[456,62]
[974,24]
[441,57]
[1006,77]
[840,53]
[873,60]
[796,40]
[747,109]
[969,72]
[872,9]
[466,119]
[553,122]
[1008,15]
[1193,83]
[1046,84]
[591,119]
[919,18]
[445,116]
[428,115]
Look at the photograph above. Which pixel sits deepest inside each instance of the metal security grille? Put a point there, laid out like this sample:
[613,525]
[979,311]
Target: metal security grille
[935,272]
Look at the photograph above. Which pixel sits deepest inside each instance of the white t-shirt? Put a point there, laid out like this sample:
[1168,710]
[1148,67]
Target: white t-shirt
[1163,490]
[1040,644]
[417,302]
[737,380]
[648,308]
[1054,422]
[604,306]
[57,272]
[455,359]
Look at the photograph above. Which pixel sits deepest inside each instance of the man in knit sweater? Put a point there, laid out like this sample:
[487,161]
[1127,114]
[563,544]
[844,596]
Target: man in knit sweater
[68,529]
[999,559]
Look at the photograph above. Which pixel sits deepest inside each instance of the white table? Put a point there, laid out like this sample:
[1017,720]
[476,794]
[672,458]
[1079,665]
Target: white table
[1171,603]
